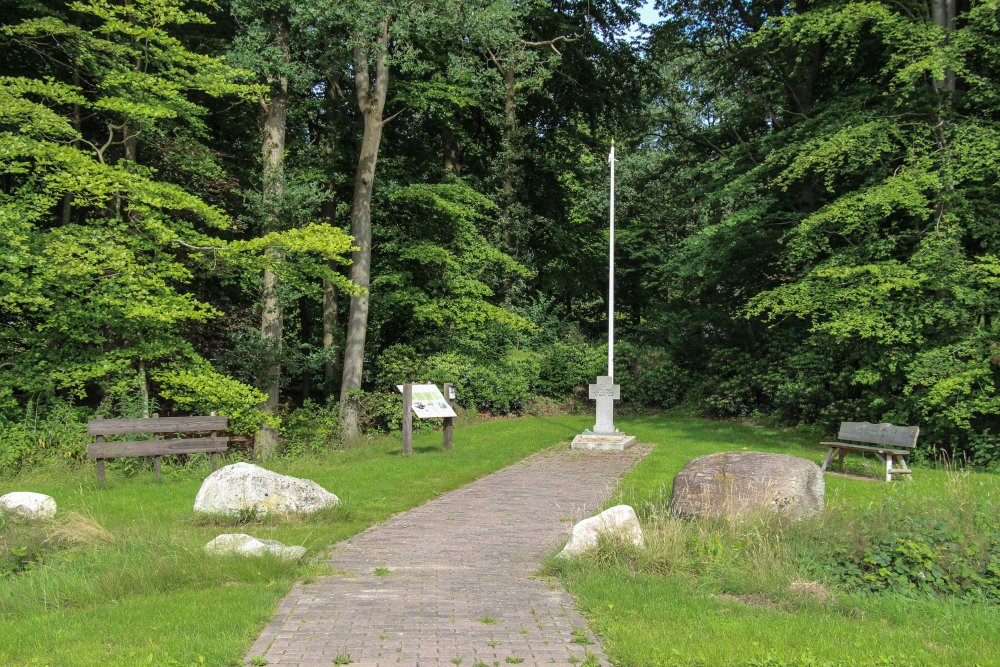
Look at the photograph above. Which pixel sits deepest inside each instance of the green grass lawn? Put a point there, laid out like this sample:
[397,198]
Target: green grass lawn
[137,589]
[130,585]
[722,604]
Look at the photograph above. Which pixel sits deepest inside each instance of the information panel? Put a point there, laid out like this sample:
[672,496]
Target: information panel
[428,402]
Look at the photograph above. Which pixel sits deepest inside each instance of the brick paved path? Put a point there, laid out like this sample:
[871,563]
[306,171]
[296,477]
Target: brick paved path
[461,587]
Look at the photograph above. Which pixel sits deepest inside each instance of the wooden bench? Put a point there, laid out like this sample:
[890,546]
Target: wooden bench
[213,443]
[891,444]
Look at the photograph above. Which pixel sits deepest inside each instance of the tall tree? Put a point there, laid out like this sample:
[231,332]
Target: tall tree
[275,126]
[371,81]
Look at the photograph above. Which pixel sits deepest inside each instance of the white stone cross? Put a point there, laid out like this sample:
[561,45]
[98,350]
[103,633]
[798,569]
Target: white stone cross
[605,392]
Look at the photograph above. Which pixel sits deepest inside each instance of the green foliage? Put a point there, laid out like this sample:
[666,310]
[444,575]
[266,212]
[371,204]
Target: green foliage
[440,274]
[953,552]
[201,390]
[824,251]
[56,431]
[649,376]
[310,429]
[569,364]
[499,386]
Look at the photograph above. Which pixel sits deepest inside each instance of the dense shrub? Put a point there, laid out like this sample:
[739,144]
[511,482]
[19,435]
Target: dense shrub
[568,363]
[313,428]
[202,390]
[499,386]
[53,431]
[648,375]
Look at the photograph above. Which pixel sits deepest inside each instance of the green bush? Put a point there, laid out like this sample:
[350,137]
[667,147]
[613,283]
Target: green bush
[311,429]
[54,431]
[497,386]
[648,376]
[570,363]
[202,390]
[500,389]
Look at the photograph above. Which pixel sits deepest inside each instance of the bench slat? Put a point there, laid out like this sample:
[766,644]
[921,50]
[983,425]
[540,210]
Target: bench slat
[880,434]
[110,450]
[156,425]
[866,448]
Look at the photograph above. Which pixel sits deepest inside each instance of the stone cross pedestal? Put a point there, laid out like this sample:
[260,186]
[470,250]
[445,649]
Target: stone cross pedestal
[604,435]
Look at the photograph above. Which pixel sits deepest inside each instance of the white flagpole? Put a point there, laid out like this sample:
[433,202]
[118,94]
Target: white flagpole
[611,273]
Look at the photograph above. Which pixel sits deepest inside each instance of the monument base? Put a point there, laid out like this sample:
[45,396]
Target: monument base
[603,442]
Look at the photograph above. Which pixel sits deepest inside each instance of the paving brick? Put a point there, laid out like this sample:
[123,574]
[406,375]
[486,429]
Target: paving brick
[469,556]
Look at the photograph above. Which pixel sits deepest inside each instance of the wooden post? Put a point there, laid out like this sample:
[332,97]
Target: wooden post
[100,462]
[211,457]
[156,459]
[408,418]
[448,421]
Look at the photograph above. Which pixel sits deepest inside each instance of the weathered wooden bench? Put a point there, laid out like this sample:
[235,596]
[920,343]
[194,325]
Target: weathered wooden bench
[213,443]
[891,444]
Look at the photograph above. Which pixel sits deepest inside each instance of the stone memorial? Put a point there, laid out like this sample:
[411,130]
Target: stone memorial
[604,436]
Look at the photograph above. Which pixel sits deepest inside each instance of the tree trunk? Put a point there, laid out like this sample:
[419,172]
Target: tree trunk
[273,187]
[329,213]
[371,102]
[450,150]
[329,328]
[943,14]
[509,126]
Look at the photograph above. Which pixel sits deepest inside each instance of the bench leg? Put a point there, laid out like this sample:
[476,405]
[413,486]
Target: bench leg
[100,470]
[901,466]
[888,468]
[156,466]
[840,460]
[827,459]
[212,459]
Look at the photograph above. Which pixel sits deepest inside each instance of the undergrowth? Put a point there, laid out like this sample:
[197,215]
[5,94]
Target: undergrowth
[903,546]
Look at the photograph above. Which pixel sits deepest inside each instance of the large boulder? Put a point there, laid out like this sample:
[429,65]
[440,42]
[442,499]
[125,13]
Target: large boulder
[28,505]
[245,545]
[243,488]
[740,483]
[619,521]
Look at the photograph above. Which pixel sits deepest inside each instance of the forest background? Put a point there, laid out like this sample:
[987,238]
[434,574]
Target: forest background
[278,210]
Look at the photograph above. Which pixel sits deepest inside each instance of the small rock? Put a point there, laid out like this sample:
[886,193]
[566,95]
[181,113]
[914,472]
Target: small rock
[243,488]
[619,520]
[738,483]
[28,505]
[245,545]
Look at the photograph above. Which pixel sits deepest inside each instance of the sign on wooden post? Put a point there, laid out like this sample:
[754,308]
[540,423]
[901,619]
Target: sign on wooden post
[426,402]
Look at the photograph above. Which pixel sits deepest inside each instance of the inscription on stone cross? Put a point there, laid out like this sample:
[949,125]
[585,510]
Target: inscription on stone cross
[605,392]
